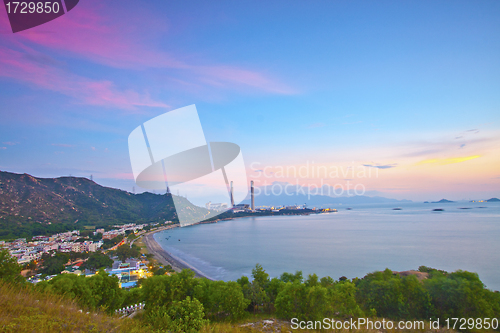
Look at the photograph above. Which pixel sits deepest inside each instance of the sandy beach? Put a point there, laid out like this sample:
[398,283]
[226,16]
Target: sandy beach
[166,258]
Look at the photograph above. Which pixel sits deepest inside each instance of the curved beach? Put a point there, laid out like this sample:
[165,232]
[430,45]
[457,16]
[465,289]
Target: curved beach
[165,257]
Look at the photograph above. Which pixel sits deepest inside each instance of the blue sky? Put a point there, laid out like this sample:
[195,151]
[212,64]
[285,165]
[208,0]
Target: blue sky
[410,88]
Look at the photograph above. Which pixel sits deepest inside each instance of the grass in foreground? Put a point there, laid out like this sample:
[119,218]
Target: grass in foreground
[25,310]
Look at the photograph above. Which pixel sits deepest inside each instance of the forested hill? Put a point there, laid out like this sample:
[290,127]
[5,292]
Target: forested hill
[32,206]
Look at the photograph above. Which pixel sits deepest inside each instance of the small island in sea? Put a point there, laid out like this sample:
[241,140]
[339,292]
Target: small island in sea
[443,201]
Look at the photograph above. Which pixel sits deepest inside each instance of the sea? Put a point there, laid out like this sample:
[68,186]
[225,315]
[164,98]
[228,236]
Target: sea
[351,242]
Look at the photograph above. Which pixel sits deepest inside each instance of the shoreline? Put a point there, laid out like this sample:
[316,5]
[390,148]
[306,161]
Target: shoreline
[167,258]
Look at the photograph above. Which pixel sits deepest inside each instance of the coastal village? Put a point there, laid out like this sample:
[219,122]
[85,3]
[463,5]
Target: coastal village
[30,253]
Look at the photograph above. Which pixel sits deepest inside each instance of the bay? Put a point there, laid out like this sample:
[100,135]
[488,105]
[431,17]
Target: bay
[348,243]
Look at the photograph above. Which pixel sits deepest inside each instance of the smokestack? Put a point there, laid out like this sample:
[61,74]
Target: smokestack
[253,197]
[232,198]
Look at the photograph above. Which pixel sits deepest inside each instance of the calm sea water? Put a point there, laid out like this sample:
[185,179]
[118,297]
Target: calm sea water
[348,243]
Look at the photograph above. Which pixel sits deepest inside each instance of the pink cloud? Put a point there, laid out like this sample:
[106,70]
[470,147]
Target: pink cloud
[103,39]
[63,145]
[96,32]
[220,75]
[18,66]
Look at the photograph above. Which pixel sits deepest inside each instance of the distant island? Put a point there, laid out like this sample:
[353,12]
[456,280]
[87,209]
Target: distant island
[489,200]
[443,201]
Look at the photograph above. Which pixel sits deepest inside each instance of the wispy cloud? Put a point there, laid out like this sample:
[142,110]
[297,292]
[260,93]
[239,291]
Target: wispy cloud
[467,133]
[94,35]
[381,166]
[9,143]
[15,65]
[229,76]
[424,152]
[63,145]
[3,148]
[444,161]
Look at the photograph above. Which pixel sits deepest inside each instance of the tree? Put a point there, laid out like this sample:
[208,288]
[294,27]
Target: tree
[289,277]
[99,292]
[417,298]
[131,296]
[273,289]
[96,261]
[54,264]
[160,271]
[10,270]
[327,281]
[312,280]
[106,290]
[181,316]
[260,276]
[462,295]
[318,303]
[85,233]
[161,290]
[258,297]
[382,291]
[124,252]
[257,289]
[343,298]
[31,266]
[393,296]
[72,286]
[96,237]
[221,299]
[77,255]
[290,301]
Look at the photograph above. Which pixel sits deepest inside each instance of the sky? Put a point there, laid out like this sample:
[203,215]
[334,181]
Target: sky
[400,98]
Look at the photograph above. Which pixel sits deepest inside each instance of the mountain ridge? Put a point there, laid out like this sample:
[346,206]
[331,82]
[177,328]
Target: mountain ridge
[266,197]
[31,205]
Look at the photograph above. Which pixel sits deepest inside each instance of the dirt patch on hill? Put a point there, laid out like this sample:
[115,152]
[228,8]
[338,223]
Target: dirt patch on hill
[420,275]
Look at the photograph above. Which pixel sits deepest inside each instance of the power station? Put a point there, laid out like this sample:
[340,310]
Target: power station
[231,193]
[252,196]
[243,207]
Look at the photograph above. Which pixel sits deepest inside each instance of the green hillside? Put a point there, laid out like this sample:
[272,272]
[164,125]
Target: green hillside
[34,206]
